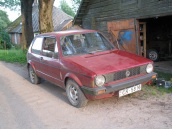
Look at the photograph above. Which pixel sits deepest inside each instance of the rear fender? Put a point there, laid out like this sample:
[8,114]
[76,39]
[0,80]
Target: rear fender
[30,64]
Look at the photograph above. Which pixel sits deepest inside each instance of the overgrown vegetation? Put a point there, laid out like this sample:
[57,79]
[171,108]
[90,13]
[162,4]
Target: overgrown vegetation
[66,8]
[155,90]
[13,55]
[158,90]
[166,76]
[4,40]
[4,37]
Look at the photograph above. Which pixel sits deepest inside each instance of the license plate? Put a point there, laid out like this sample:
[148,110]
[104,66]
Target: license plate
[130,90]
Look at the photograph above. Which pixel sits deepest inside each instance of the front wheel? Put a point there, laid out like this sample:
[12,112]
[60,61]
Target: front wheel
[153,55]
[75,95]
[33,77]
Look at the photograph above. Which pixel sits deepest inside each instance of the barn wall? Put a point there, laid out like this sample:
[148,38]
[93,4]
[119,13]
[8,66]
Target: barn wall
[15,38]
[99,12]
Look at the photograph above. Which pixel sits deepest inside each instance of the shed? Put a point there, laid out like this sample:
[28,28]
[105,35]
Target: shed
[143,27]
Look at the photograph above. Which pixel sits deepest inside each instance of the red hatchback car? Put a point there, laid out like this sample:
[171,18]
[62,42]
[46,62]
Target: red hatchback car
[86,65]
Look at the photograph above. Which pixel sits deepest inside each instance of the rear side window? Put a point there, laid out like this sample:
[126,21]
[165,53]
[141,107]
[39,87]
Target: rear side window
[49,46]
[37,45]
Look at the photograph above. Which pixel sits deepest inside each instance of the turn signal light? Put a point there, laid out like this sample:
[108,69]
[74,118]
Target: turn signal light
[101,92]
[154,76]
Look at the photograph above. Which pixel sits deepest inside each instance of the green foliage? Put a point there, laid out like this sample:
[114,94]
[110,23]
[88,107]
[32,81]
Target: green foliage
[12,56]
[4,40]
[17,46]
[4,21]
[11,4]
[75,5]
[4,37]
[66,8]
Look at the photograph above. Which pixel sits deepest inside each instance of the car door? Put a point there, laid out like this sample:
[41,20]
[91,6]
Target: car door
[36,55]
[50,61]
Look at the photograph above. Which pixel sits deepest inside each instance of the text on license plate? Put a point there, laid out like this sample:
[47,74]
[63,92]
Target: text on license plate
[130,90]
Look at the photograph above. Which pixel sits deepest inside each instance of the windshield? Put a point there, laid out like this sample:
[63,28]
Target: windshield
[84,43]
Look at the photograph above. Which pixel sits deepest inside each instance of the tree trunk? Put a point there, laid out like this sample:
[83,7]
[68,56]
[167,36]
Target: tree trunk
[27,29]
[45,16]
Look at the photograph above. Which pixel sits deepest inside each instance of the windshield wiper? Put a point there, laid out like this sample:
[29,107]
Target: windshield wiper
[93,52]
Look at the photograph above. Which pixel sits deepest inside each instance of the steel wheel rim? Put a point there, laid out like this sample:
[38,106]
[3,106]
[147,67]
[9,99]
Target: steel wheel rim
[73,94]
[153,55]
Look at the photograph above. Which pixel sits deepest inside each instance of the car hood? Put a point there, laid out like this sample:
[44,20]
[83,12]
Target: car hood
[107,62]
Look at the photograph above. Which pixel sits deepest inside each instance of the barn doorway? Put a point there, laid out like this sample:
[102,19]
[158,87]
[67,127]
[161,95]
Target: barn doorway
[158,32]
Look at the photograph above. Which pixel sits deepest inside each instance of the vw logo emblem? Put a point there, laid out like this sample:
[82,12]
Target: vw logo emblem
[127,73]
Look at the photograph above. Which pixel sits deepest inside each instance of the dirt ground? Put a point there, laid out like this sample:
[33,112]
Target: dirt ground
[45,106]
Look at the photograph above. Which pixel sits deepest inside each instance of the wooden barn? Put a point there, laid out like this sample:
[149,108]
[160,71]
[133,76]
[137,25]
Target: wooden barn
[143,27]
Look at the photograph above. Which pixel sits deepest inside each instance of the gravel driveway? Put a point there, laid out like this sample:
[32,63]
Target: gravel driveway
[45,106]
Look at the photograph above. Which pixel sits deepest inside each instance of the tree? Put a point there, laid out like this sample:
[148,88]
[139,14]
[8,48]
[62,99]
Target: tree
[27,29]
[4,21]
[45,16]
[4,37]
[75,5]
[26,12]
[66,8]
[4,40]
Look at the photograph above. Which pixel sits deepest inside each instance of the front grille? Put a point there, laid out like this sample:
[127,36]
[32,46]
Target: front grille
[125,73]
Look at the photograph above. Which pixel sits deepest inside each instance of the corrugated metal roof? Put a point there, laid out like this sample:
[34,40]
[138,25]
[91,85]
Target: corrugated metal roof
[14,25]
[62,24]
[58,18]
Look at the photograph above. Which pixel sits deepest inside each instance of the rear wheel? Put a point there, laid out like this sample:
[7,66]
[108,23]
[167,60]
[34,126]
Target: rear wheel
[153,55]
[75,95]
[33,77]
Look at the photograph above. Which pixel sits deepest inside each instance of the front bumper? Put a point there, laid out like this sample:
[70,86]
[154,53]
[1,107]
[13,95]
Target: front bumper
[118,86]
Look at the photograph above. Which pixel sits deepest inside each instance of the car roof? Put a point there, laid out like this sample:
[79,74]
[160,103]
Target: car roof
[67,32]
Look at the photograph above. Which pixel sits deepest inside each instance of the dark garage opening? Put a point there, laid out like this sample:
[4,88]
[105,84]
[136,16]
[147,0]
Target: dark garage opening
[159,36]
[159,39]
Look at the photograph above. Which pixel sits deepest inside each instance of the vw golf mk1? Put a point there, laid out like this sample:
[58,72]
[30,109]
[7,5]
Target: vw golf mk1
[86,65]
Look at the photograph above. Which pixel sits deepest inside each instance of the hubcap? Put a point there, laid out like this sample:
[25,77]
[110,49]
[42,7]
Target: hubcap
[73,94]
[153,55]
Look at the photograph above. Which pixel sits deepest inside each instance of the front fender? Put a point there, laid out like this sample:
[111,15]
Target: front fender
[73,77]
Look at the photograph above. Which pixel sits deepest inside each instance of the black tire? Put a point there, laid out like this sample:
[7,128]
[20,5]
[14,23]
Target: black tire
[153,55]
[33,77]
[75,95]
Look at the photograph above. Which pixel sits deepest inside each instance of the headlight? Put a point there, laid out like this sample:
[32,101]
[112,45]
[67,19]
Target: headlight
[149,68]
[100,80]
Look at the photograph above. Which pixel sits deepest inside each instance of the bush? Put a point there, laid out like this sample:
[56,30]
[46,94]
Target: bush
[17,46]
[4,40]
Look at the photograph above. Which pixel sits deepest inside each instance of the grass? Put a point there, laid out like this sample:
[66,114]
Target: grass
[159,90]
[166,76]
[13,56]
[155,90]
